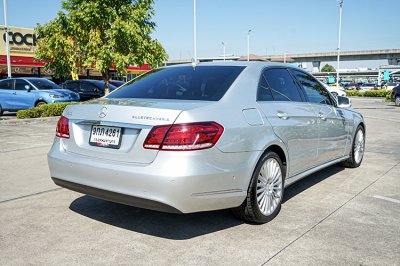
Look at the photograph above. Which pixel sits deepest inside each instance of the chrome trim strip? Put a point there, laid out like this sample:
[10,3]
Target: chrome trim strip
[297,177]
[109,123]
[210,193]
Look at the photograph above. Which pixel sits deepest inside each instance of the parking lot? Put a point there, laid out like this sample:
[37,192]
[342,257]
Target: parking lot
[336,216]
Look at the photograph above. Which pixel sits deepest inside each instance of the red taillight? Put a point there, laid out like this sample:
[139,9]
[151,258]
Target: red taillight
[63,128]
[183,137]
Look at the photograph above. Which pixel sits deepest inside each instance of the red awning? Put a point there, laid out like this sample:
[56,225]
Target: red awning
[144,67]
[23,61]
[20,61]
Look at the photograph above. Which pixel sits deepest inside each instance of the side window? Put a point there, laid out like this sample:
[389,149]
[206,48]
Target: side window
[6,85]
[315,92]
[87,87]
[281,85]
[20,84]
[264,91]
[73,86]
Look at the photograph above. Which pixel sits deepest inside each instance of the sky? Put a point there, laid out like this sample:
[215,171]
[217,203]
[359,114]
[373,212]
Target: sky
[277,26]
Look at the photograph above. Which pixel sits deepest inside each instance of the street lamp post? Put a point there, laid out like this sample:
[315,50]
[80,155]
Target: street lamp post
[194,33]
[248,45]
[223,49]
[338,49]
[7,42]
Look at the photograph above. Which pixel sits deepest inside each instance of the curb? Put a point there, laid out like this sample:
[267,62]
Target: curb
[16,121]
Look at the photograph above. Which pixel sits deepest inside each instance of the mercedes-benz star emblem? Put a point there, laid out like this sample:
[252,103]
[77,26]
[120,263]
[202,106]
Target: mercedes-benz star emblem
[103,112]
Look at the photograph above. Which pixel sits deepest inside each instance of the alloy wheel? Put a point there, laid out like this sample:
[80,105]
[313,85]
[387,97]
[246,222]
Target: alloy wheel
[359,143]
[269,187]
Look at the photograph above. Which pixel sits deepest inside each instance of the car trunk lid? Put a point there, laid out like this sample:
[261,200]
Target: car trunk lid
[134,118]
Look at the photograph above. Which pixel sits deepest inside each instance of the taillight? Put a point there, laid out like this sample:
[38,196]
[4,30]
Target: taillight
[62,130]
[183,137]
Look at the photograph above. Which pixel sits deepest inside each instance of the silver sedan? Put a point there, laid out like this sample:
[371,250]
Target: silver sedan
[210,136]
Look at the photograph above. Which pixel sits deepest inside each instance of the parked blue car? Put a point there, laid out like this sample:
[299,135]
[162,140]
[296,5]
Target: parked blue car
[23,93]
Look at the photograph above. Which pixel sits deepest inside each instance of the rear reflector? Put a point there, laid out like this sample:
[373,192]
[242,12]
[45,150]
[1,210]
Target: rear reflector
[62,130]
[184,137]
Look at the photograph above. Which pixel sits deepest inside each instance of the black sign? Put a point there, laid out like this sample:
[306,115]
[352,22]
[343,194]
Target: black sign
[18,38]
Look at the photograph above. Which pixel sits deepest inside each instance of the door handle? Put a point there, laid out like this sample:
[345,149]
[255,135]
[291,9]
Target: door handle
[282,115]
[322,116]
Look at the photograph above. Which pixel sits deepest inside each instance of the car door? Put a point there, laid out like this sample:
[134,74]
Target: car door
[23,97]
[6,93]
[291,117]
[331,120]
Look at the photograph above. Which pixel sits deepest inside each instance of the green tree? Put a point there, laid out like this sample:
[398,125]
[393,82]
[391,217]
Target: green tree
[101,34]
[328,68]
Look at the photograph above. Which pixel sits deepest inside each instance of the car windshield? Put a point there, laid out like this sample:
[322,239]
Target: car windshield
[207,83]
[44,84]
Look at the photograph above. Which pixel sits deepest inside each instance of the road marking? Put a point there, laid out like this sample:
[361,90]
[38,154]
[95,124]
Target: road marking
[379,118]
[328,216]
[30,195]
[387,199]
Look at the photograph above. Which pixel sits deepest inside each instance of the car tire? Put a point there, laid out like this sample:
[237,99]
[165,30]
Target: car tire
[1,111]
[39,103]
[357,149]
[265,192]
[397,101]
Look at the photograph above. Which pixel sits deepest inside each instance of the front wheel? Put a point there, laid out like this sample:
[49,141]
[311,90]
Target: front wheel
[397,101]
[265,192]
[357,149]
[39,103]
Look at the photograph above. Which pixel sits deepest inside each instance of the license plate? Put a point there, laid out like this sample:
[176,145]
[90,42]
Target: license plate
[108,137]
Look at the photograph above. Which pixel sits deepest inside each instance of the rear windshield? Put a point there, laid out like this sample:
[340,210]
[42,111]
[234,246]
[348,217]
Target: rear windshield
[207,83]
[44,84]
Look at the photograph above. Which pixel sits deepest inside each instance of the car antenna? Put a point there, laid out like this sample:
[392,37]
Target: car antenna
[195,63]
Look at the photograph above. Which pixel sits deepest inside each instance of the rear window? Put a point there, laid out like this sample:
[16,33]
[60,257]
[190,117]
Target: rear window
[206,83]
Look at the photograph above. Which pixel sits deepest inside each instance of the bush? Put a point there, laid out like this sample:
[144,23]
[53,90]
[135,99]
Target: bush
[353,93]
[45,110]
[371,93]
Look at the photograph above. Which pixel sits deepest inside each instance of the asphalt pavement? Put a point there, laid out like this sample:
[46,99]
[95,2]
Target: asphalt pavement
[337,216]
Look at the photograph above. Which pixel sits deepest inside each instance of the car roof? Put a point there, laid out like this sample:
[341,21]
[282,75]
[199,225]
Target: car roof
[29,78]
[235,63]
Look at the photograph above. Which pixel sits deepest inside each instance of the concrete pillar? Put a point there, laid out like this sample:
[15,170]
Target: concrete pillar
[316,66]
[393,61]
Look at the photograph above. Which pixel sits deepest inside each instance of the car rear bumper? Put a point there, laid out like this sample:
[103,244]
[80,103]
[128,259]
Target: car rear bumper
[174,182]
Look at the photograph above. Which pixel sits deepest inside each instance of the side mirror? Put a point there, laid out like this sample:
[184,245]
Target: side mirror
[343,102]
[28,88]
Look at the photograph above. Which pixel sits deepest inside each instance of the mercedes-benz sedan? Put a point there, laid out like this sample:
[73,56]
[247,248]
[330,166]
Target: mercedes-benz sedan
[210,136]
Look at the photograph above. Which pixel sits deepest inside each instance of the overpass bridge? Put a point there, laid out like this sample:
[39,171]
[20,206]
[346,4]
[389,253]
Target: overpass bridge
[392,55]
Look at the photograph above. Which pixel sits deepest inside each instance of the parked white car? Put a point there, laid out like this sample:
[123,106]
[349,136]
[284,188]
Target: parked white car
[335,91]
[390,86]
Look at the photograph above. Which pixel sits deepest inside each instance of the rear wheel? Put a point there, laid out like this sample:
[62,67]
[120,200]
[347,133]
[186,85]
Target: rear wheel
[39,103]
[357,149]
[265,193]
[397,101]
